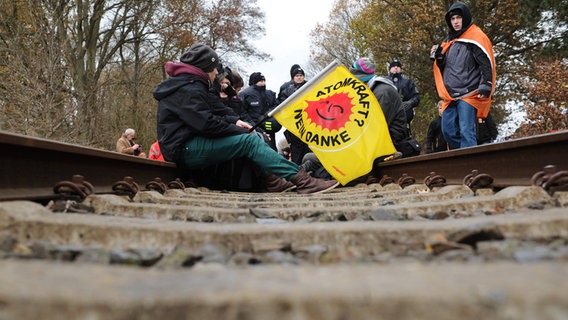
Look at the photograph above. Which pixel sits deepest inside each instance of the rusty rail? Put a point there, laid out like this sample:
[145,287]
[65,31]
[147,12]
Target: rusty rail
[32,168]
[509,163]
[38,169]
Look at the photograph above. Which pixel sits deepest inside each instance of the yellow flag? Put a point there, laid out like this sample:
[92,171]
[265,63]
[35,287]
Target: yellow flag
[341,121]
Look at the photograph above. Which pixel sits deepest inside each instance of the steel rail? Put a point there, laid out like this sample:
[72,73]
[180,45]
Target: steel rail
[510,163]
[32,167]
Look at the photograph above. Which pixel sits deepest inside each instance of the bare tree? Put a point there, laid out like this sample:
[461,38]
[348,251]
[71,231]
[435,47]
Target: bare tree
[83,70]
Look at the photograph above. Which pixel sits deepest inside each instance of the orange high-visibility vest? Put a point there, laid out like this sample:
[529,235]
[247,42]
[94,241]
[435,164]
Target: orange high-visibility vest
[475,36]
[155,153]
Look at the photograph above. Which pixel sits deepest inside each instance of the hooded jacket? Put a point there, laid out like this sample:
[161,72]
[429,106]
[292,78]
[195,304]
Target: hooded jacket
[187,109]
[466,63]
[391,104]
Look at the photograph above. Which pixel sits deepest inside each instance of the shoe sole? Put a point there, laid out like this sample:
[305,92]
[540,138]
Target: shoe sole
[324,190]
[288,189]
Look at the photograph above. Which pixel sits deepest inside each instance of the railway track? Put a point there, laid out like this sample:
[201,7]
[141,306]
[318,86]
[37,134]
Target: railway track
[38,169]
[473,233]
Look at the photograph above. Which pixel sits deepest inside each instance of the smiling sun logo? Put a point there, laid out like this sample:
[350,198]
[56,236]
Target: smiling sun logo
[332,112]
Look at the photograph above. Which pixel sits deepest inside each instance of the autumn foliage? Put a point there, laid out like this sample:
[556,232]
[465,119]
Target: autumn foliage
[547,99]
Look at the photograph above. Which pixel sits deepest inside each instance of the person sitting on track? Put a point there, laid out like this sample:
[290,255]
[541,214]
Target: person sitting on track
[194,133]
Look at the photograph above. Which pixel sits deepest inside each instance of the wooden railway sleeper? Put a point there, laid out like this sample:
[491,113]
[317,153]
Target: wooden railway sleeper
[476,180]
[76,188]
[550,179]
[434,180]
[127,186]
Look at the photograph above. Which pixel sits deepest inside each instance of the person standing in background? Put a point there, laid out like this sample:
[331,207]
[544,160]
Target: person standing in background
[464,71]
[298,148]
[258,101]
[406,88]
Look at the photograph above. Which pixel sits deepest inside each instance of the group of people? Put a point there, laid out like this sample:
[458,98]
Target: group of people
[126,144]
[205,117]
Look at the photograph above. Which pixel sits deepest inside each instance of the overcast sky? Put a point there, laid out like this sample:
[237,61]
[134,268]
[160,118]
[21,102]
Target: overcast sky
[288,25]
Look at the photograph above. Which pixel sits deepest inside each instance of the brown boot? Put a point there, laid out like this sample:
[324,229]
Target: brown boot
[274,183]
[308,184]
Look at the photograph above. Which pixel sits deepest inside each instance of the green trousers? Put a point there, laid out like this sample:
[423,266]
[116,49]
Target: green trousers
[201,152]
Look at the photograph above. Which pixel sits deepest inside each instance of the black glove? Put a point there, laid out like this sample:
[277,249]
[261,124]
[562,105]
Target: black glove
[407,106]
[438,54]
[230,91]
[484,92]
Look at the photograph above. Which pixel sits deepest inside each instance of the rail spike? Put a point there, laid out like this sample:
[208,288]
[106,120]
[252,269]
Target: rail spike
[434,180]
[76,188]
[550,179]
[405,180]
[386,179]
[176,184]
[157,185]
[127,186]
[476,180]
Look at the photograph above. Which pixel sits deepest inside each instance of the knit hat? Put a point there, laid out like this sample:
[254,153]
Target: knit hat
[296,69]
[255,77]
[395,62]
[364,69]
[201,56]
[365,65]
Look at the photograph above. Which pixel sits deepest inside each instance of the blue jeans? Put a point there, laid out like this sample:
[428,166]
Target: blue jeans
[458,125]
[201,152]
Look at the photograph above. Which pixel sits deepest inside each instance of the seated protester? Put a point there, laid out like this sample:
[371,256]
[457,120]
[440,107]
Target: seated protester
[230,98]
[391,104]
[229,94]
[298,148]
[258,102]
[313,166]
[435,141]
[194,134]
[285,152]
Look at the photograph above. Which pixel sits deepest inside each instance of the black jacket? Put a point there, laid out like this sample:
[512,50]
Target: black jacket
[435,141]
[258,101]
[391,104]
[408,92]
[464,66]
[187,109]
[287,89]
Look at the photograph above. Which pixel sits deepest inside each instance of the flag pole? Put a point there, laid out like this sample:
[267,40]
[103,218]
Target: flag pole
[298,92]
